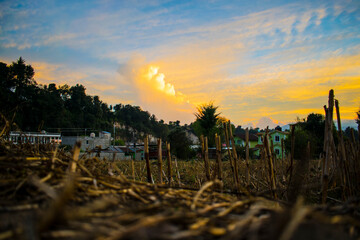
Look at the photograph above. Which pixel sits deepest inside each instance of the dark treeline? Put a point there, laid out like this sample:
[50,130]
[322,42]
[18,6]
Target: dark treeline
[311,129]
[34,107]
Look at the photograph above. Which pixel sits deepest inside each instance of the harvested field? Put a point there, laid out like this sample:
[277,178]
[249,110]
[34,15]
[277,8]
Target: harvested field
[50,194]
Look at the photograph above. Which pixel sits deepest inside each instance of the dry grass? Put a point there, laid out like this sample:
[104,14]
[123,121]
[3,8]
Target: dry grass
[52,194]
[192,175]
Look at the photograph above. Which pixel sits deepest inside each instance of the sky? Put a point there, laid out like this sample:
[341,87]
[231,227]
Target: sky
[259,61]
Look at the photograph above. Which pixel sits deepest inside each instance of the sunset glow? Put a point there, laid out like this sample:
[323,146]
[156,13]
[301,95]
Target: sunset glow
[255,60]
[157,80]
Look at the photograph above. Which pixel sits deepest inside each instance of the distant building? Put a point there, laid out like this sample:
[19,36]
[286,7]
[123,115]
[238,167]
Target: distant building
[192,137]
[133,152]
[89,142]
[35,137]
[240,140]
[275,136]
[112,153]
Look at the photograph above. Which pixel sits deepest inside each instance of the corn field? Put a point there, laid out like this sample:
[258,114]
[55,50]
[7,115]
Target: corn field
[48,193]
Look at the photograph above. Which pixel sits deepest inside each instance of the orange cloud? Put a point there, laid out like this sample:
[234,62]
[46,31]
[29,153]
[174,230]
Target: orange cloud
[46,73]
[281,91]
[172,86]
[156,80]
[197,69]
[154,92]
[297,89]
[108,90]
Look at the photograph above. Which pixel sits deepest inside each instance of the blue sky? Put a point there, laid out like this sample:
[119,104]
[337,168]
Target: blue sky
[274,59]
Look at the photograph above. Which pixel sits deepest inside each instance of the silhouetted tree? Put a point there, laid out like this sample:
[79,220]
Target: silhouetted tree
[278,128]
[180,143]
[239,130]
[310,129]
[348,134]
[302,137]
[206,121]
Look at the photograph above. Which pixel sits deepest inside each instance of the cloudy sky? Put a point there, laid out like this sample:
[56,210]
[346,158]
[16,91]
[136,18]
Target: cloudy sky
[254,59]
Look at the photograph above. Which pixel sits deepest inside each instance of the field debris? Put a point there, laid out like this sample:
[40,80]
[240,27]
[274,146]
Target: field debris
[47,193]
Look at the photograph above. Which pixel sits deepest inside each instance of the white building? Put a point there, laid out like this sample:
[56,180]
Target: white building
[34,137]
[89,142]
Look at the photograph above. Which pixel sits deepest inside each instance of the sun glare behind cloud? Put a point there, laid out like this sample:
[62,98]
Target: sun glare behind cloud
[157,80]
[154,92]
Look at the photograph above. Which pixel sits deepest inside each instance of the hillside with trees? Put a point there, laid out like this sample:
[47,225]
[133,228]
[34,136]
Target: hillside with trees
[30,106]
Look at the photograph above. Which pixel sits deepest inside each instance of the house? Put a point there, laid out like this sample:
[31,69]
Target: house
[42,137]
[133,152]
[104,135]
[275,136]
[239,139]
[192,137]
[112,153]
[89,142]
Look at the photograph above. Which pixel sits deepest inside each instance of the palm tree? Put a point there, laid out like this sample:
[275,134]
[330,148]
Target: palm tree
[207,119]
